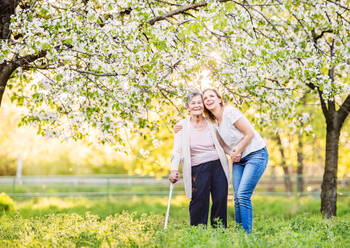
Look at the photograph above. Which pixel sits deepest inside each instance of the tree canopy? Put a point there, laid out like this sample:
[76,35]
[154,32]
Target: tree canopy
[105,62]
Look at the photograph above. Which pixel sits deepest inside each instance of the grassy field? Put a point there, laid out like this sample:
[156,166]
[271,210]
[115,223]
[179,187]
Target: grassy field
[138,222]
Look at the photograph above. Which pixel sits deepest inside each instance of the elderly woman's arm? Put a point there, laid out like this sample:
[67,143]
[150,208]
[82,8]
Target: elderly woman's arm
[176,158]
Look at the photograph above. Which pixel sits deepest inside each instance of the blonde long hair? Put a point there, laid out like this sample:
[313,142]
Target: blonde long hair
[206,111]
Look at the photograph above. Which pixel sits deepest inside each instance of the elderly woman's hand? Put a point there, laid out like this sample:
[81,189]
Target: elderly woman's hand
[174,176]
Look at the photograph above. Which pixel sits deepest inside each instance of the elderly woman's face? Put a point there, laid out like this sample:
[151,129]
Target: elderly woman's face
[195,106]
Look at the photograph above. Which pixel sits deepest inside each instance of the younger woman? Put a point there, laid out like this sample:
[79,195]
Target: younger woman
[248,153]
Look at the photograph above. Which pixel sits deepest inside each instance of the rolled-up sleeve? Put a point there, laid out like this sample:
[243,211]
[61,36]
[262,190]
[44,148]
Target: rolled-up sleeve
[233,114]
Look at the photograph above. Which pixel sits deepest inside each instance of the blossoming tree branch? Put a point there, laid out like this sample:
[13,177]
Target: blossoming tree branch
[111,64]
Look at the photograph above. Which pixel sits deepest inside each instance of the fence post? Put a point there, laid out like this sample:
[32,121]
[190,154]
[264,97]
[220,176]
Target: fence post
[296,185]
[14,185]
[19,169]
[108,188]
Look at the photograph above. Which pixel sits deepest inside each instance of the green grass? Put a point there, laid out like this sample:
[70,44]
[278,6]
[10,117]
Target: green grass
[138,222]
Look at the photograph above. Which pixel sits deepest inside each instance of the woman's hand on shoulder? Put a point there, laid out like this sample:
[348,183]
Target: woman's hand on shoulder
[178,126]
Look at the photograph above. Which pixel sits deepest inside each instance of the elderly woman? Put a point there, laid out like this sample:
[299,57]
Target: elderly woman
[205,167]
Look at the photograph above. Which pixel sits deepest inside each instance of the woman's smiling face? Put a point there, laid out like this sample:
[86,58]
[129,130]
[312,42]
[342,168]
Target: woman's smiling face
[211,100]
[195,106]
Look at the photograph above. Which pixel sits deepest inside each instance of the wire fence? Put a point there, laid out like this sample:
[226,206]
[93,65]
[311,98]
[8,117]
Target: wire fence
[135,185]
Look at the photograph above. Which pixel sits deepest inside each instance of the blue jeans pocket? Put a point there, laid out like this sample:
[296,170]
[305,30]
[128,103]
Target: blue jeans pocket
[261,154]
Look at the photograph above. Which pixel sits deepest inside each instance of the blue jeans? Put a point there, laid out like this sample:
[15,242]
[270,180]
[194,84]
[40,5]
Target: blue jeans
[245,176]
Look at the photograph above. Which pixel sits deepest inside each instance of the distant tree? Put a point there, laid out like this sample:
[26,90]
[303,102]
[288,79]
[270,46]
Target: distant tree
[287,180]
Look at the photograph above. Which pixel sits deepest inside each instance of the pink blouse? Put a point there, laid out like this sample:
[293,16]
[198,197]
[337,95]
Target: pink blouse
[202,146]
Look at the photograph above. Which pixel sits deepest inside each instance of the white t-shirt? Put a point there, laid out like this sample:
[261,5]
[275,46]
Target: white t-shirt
[232,136]
[202,146]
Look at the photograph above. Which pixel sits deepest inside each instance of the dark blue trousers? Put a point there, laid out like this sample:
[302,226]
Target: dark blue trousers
[208,178]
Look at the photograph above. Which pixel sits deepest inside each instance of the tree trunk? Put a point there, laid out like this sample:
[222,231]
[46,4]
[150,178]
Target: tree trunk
[335,120]
[287,182]
[7,8]
[5,73]
[300,158]
[329,183]
[271,186]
